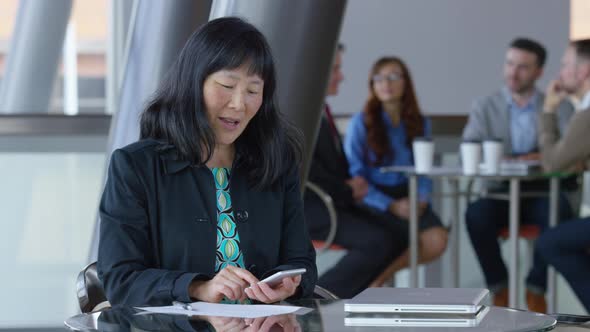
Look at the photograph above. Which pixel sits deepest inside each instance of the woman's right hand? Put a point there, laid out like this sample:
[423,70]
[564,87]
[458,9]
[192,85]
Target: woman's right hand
[283,323]
[230,283]
[225,324]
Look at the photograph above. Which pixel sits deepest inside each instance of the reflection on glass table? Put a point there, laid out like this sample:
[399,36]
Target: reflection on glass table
[328,315]
[416,320]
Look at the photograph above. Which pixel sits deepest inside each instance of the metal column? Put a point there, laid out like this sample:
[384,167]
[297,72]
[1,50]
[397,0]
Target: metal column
[33,56]
[121,13]
[553,219]
[514,252]
[455,232]
[159,31]
[414,241]
[303,35]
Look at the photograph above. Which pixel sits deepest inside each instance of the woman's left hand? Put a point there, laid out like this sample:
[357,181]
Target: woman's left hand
[264,293]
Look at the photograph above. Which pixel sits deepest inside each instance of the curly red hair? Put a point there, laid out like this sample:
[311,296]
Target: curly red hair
[410,113]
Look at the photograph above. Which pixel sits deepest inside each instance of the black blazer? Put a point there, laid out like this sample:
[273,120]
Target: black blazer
[329,166]
[329,170]
[158,227]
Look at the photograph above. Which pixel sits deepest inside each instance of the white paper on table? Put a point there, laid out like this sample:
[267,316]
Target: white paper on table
[227,310]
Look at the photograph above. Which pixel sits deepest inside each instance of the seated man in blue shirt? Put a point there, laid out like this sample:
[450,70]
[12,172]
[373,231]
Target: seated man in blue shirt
[511,114]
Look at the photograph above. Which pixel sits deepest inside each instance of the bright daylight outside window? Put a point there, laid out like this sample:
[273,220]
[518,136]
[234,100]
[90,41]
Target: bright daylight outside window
[579,19]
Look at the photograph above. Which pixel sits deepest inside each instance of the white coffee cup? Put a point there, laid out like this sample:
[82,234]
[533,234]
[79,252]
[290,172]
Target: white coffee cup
[423,149]
[493,152]
[470,157]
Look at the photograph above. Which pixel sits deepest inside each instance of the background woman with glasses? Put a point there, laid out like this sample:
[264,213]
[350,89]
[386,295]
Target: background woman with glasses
[382,135]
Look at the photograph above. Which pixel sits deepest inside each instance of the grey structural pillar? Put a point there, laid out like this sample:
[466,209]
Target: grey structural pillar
[33,56]
[303,35]
[121,13]
[160,30]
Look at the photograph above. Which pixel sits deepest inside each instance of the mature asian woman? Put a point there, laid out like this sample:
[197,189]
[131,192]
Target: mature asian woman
[207,203]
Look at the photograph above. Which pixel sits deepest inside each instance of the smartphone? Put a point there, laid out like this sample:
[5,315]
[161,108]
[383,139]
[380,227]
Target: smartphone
[277,278]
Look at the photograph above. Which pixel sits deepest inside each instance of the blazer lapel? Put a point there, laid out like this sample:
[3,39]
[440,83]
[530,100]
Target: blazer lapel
[239,196]
[205,185]
[207,192]
[203,210]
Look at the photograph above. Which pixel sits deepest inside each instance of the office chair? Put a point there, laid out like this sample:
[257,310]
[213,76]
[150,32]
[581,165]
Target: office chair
[324,294]
[91,296]
[328,243]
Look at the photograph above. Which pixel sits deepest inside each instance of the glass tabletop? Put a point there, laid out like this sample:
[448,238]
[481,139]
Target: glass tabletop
[326,316]
[457,173]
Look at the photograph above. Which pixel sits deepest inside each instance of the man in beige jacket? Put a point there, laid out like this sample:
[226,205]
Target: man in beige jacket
[567,246]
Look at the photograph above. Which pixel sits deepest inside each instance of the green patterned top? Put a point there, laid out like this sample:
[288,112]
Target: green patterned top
[228,239]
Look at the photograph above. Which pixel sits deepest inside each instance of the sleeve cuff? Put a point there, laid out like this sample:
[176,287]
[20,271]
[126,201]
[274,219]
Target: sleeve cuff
[182,283]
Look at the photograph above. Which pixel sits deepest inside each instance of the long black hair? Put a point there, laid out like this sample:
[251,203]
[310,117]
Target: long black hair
[268,147]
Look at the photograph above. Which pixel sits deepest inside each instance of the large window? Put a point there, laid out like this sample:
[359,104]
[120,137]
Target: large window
[80,78]
[86,40]
[50,184]
[580,19]
[7,18]
[49,202]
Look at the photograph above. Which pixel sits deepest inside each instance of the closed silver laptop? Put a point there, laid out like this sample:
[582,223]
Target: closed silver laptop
[415,320]
[419,300]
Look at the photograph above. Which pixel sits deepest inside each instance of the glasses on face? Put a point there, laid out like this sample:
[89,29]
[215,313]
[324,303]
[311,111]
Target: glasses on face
[393,77]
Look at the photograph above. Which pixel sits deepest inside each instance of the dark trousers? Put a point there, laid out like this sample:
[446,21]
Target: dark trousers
[370,249]
[372,242]
[486,217]
[567,248]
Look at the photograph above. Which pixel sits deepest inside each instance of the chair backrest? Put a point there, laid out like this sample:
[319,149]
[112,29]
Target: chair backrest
[327,200]
[91,296]
[324,293]
[525,231]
